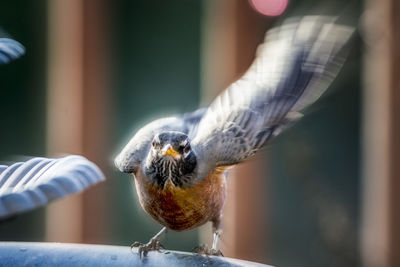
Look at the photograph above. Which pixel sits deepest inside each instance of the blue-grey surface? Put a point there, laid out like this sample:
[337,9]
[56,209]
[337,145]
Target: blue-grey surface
[31,184]
[10,50]
[57,254]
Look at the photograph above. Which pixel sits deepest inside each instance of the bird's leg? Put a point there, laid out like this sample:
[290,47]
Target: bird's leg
[214,250]
[153,244]
[217,231]
[203,249]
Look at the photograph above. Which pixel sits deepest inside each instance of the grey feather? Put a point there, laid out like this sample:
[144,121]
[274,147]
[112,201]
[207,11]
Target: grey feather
[31,184]
[293,67]
[10,50]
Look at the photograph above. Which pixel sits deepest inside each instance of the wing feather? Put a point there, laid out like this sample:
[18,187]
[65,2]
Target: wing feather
[293,67]
[10,50]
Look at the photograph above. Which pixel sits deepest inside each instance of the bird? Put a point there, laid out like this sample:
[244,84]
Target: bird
[180,163]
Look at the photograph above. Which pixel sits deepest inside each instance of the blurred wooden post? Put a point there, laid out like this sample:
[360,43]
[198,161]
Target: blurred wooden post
[97,108]
[395,134]
[77,107]
[231,33]
[380,240]
[65,108]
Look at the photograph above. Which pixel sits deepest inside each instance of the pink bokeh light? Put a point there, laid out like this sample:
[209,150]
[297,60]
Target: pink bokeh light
[270,8]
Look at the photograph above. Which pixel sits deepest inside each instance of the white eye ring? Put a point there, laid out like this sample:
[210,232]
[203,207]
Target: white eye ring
[185,154]
[183,143]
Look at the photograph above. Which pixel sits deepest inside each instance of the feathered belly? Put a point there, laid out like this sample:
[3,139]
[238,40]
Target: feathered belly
[183,208]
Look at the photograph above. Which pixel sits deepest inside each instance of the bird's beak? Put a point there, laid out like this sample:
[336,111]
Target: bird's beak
[169,151]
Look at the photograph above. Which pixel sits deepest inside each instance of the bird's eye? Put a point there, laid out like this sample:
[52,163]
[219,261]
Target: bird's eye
[186,149]
[153,143]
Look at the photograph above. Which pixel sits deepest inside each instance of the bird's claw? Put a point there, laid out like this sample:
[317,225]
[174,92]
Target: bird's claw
[204,250]
[143,249]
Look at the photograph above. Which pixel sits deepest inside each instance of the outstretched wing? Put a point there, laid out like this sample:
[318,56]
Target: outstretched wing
[10,50]
[293,67]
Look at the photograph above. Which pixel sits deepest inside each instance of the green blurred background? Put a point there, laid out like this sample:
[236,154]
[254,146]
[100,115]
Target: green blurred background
[153,66]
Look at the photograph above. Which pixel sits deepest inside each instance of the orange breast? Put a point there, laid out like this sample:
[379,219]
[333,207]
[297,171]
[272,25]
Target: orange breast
[183,208]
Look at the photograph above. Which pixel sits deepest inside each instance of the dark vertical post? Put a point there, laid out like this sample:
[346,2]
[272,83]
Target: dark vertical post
[395,135]
[96,113]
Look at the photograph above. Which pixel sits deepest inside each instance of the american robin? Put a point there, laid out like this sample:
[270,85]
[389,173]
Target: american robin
[179,163]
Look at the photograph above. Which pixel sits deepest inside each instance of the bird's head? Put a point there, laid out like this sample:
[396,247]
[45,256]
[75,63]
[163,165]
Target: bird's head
[170,158]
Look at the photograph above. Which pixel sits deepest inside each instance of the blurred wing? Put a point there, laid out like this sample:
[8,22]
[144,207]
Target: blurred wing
[31,184]
[10,50]
[293,67]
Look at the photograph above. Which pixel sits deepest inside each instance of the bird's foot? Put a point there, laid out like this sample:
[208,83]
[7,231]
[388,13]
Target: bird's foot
[204,250]
[143,249]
